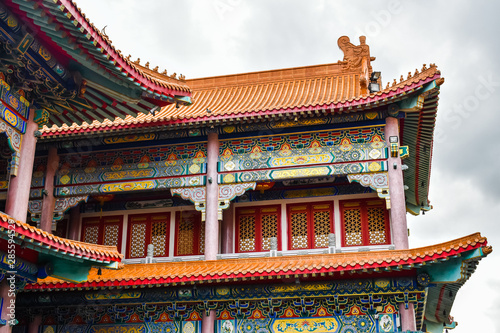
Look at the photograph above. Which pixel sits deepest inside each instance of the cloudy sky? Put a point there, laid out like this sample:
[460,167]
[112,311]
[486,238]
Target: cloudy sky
[215,37]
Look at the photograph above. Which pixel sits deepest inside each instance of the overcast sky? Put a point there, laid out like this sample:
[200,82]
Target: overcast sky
[215,37]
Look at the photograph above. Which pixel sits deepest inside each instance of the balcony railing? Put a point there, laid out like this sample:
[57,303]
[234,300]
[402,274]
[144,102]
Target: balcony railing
[332,248]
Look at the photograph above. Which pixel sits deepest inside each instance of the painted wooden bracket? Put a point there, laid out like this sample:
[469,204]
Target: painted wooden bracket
[14,138]
[198,195]
[376,181]
[60,207]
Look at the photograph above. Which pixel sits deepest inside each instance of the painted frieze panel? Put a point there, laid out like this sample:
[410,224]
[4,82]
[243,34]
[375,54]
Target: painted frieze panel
[303,172]
[124,328]
[117,172]
[128,186]
[13,119]
[131,170]
[331,312]
[275,126]
[328,138]
[17,110]
[39,167]
[307,156]
[334,152]
[163,327]
[86,158]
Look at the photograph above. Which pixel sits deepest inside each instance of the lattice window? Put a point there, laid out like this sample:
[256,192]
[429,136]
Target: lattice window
[376,225]
[138,240]
[106,230]
[111,235]
[352,227]
[159,238]
[365,222]
[321,228]
[190,234]
[91,234]
[148,229]
[185,237]
[269,229]
[255,227]
[246,234]
[310,224]
[202,238]
[299,231]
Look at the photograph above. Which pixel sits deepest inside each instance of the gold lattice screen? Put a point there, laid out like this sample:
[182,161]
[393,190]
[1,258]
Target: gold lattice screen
[309,225]
[190,234]
[145,229]
[105,230]
[255,228]
[364,222]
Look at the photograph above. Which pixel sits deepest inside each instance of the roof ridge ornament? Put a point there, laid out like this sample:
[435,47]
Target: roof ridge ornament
[354,54]
[357,59]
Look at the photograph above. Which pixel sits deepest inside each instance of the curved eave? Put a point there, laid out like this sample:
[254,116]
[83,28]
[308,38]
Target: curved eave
[358,104]
[174,273]
[418,133]
[63,23]
[42,241]
[121,64]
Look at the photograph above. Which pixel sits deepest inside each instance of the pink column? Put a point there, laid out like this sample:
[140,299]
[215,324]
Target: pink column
[49,200]
[34,326]
[18,193]
[8,304]
[396,190]
[212,199]
[74,223]
[208,322]
[408,322]
[227,230]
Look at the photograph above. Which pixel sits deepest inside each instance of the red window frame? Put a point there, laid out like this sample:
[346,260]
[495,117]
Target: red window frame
[147,219]
[258,212]
[363,205]
[197,232]
[102,222]
[309,208]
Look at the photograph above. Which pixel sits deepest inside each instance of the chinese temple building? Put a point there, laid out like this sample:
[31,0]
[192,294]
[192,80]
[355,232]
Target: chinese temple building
[270,201]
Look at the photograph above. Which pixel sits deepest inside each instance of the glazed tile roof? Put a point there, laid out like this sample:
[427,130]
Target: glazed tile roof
[111,84]
[263,94]
[171,273]
[42,241]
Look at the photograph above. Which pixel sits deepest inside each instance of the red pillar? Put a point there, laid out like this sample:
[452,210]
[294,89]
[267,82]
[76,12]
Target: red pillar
[399,225]
[8,303]
[49,200]
[227,230]
[18,193]
[208,322]
[212,199]
[407,316]
[74,223]
[34,326]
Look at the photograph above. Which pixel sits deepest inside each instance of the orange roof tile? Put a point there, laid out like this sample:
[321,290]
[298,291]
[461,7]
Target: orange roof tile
[102,41]
[45,239]
[169,273]
[252,94]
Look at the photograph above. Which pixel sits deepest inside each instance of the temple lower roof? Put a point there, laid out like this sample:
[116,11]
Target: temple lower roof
[177,273]
[45,242]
